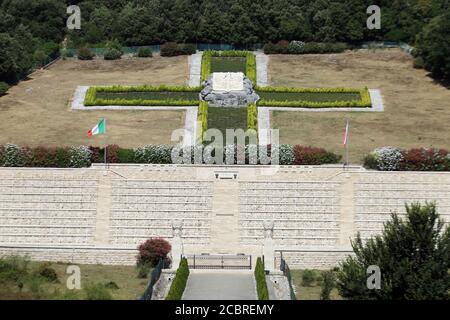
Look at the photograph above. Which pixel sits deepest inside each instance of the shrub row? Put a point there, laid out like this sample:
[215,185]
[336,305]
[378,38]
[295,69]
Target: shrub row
[250,62]
[12,155]
[144,52]
[299,47]
[418,159]
[179,282]
[92,100]
[260,278]
[364,102]
[202,119]
[172,49]
[81,156]
[252,117]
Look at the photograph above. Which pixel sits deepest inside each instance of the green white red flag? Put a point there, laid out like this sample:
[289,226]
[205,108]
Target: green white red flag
[100,128]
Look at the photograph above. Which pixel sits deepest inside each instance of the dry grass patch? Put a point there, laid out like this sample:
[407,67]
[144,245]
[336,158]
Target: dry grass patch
[37,111]
[416,108]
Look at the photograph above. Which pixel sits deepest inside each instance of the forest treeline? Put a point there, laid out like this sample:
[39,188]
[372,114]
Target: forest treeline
[31,31]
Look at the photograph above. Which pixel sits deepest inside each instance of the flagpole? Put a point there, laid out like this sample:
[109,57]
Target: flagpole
[106,146]
[347,134]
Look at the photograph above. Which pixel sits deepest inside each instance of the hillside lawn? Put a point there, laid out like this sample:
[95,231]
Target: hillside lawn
[417,110]
[37,111]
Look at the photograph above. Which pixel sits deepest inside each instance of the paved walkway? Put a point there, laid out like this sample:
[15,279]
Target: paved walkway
[223,285]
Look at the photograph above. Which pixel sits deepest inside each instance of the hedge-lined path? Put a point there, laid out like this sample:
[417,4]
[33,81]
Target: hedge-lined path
[220,285]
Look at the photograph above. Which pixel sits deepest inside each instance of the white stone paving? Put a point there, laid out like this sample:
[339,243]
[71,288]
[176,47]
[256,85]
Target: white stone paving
[262,62]
[195,67]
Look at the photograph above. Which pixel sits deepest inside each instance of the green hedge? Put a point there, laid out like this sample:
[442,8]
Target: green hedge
[92,100]
[252,117]
[202,119]
[260,278]
[364,102]
[179,282]
[250,62]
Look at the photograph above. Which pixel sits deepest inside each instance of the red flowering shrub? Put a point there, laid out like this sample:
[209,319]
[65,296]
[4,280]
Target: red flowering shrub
[152,250]
[50,157]
[425,160]
[314,156]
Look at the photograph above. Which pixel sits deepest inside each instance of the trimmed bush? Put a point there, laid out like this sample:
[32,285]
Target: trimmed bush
[153,250]
[4,87]
[252,117]
[144,52]
[385,159]
[80,156]
[287,156]
[250,62]
[314,156]
[84,53]
[179,282]
[308,278]
[157,154]
[15,156]
[425,160]
[112,54]
[260,278]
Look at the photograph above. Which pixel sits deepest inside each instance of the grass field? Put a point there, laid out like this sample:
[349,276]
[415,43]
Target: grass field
[228,64]
[130,287]
[37,111]
[227,118]
[416,113]
[158,95]
[310,96]
[310,292]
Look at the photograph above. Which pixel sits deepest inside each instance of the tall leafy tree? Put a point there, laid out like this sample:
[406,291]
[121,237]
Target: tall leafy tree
[413,256]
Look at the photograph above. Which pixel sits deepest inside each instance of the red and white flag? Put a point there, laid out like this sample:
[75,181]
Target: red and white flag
[346,134]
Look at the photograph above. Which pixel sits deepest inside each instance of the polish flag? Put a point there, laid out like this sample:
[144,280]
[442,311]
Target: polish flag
[346,134]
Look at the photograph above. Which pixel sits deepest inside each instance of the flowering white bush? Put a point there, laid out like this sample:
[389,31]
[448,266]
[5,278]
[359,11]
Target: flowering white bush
[251,154]
[296,45]
[160,154]
[15,156]
[388,158]
[287,156]
[80,156]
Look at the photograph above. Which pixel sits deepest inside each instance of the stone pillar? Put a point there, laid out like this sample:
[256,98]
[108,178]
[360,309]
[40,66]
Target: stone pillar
[177,243]
[269,246]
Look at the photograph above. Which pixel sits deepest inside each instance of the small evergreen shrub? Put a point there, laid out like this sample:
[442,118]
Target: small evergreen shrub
[328,285]
[80,156]
[46,272]
[179,282]
[112,54]
[287,156]
[158,154]
[84,53]
[314,156]
[153,250]
[308,278]
[144,52]
[172,49]
[260,278]
[4,87]
[386,159]
[15,156]
[96,291]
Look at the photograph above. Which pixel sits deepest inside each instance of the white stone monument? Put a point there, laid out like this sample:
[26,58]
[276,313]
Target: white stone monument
[177,243]
[268,246]
[228,81]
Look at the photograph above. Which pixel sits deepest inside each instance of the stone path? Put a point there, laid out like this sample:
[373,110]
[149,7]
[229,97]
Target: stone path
[220,285]
[262,64]
[195,67]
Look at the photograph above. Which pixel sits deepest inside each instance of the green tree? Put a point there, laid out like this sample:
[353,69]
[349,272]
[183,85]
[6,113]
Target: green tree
[413,256]
[433,46]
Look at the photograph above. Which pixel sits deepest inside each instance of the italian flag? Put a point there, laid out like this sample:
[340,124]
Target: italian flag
[100,128]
